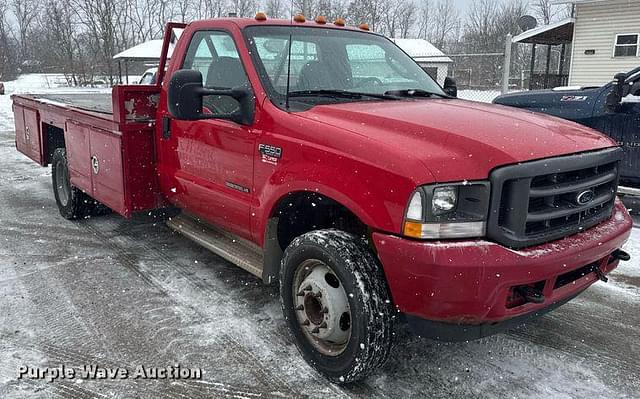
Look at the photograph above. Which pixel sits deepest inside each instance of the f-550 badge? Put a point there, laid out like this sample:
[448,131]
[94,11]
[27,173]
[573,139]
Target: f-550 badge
[270,153]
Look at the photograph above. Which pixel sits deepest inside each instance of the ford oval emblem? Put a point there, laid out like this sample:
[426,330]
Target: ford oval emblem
[585,197]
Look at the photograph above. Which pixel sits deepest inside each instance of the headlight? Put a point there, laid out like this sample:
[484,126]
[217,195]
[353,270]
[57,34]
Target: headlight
[445,211]
[444,199]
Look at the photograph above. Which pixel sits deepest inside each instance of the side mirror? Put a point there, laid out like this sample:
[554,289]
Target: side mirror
[185,95]
[614,98]
[450,87]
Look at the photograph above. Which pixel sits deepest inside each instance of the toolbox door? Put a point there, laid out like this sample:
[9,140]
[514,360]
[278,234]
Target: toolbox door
[107,169]
[21,139]
[32,135]
[76,139]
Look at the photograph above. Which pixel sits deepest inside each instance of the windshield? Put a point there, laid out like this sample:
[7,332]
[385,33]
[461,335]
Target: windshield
[325,60]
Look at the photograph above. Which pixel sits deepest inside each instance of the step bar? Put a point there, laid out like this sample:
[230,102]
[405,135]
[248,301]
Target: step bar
[630,191]
[236,250]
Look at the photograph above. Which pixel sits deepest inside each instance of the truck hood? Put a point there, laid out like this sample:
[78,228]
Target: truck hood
[456,139]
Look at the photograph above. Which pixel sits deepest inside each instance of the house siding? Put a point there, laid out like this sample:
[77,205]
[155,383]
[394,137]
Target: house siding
[596,27]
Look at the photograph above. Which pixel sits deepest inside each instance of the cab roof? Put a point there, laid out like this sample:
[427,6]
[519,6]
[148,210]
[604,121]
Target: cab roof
[246,22]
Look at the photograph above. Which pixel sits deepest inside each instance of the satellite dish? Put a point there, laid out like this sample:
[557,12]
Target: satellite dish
[527,22]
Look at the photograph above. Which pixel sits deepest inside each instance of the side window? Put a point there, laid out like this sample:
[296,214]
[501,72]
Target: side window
[215,55]
[626,45]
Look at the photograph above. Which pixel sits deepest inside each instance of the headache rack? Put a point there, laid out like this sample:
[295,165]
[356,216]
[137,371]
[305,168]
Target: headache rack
[545,200]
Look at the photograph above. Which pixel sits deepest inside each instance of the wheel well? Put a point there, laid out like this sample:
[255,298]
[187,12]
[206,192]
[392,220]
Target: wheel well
[54,139]
[300,213]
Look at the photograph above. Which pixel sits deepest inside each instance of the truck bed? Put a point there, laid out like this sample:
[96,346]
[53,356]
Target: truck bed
[94,102]
[108,137]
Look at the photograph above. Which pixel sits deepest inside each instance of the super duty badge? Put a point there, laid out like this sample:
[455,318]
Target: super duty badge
[270,153]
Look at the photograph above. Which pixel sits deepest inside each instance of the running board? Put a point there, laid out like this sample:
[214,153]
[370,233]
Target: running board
[630,191]
[236,250]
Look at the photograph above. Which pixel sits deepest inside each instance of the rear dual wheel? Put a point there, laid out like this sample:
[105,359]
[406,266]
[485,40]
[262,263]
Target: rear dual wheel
[72,202]
[337,305]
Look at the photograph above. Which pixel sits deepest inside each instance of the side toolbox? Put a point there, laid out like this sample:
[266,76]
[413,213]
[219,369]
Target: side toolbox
[28,135]
[115,168]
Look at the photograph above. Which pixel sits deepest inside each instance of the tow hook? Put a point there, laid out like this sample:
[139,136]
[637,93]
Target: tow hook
[530,294]
[621,255]
[599,274]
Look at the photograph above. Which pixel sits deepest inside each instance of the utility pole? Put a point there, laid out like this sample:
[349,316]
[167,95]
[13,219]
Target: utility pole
[506,69]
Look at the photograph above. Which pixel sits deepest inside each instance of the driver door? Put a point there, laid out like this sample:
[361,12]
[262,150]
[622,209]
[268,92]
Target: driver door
[214,175]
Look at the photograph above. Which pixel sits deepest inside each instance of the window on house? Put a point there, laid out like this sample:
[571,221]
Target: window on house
[626,45]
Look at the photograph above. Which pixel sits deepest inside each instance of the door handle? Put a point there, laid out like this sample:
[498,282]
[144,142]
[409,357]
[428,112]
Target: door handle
[166,127]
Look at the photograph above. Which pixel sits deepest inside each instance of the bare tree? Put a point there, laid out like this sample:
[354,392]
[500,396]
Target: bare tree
[445,22]
[549,11]
[276,8]
[25,12]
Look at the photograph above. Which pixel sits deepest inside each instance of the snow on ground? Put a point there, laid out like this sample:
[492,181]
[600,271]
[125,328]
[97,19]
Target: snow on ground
[483,96]
[118,292]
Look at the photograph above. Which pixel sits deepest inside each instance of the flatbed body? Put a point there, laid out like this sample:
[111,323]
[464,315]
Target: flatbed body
[109,140]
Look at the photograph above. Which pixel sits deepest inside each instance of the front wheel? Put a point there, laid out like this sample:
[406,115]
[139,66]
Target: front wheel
[336,302]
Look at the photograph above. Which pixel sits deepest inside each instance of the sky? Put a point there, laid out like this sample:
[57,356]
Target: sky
[463,4]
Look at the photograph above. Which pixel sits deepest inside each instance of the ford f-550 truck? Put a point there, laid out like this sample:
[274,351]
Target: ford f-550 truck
[322,158]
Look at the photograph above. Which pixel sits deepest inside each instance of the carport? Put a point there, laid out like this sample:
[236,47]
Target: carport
[147,52]
[556,34]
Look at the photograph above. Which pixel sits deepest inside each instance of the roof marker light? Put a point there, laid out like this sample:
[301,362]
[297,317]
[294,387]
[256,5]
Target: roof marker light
[364,26]
[321,20]
[299,18]
[339,22]
[260,16]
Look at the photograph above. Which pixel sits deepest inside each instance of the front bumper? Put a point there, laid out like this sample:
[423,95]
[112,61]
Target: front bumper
[469,283]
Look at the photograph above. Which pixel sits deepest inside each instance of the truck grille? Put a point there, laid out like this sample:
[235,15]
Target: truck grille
[541,201]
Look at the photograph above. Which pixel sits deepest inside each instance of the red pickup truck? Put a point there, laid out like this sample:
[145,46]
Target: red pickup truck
[322,158]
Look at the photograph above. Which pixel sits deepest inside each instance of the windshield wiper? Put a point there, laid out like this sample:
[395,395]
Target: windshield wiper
[414,93]
[340,94]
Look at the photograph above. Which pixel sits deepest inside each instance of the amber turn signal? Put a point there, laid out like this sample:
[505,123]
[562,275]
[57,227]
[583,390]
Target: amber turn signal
[339,22]
[413,229]
[299,18]
[261,16]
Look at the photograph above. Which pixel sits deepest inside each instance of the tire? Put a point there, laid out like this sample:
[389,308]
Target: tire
[72,202]
[345,263]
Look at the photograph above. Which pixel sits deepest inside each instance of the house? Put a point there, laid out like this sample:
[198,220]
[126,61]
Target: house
[606,40]
[432,60]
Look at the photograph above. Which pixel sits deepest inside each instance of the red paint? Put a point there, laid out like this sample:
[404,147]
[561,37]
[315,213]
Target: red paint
[367,156]
[469,281]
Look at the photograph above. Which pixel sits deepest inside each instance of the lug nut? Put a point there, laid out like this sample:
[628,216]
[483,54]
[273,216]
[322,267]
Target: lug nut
[300,307]
[306,322]
[315,330]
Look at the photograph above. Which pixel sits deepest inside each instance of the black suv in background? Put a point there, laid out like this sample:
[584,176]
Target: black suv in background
[613,109]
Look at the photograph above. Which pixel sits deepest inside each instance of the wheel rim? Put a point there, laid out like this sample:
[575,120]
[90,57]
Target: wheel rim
[63,185]
[322,307]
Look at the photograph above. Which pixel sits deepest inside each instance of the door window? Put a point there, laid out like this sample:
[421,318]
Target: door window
[215,55]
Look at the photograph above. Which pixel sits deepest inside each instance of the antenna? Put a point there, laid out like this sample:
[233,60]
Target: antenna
[286,98]
[286,102]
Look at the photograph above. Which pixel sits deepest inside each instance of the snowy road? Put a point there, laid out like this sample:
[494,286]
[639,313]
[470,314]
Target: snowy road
[123,293]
